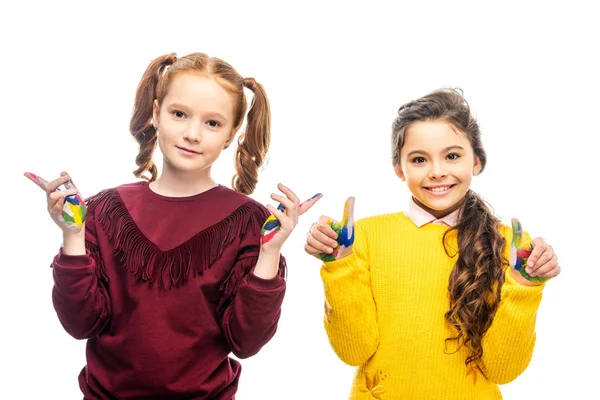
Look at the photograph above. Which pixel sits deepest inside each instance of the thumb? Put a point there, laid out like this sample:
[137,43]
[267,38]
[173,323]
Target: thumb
[68,184]
[346,238]
[517,233]
[518,253]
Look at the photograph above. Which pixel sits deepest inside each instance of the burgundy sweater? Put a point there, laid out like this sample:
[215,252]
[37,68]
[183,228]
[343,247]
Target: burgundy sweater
[166,292]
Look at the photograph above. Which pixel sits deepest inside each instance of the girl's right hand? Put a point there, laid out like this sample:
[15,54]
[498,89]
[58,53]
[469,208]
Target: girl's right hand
[329,240]
[69,215]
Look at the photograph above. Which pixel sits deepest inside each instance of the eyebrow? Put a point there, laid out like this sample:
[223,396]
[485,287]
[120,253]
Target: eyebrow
[444,150]
[209,114]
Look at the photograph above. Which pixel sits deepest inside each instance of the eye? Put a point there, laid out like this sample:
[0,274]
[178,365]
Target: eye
[418,160]
[178,114]
[213,124]
[453,156]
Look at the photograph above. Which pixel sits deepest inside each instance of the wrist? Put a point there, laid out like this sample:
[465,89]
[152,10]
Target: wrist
[74,243]
[519,277]
[267,265]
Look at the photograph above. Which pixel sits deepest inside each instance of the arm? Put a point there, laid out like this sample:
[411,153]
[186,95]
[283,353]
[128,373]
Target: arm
[79,294]
[350,312]
[250,321]
[508,344]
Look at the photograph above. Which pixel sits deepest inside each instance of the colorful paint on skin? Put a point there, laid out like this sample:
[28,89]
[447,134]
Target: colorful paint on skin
[345,232]
[74,209]
[272,224]
[520,252]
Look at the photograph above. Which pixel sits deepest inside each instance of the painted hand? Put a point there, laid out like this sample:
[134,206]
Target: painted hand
[284,218]
[329,240]
[535,261]
[66,207]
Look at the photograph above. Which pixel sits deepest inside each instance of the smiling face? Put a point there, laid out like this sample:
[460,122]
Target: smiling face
[194,122]
[437,163]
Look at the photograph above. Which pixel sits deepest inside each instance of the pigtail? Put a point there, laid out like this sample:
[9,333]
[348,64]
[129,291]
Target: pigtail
[253,143]
[477,277]
[140,125]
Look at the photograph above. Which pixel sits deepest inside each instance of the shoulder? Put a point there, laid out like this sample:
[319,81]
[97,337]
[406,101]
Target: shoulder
[238,203]
[125,188]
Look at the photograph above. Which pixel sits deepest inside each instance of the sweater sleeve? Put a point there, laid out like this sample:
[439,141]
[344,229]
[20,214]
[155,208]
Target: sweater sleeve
[508,344]
[350,311]
[253,308]
[79,294]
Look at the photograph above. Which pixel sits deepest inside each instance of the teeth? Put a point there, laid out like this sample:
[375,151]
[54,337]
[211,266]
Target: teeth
[440,189]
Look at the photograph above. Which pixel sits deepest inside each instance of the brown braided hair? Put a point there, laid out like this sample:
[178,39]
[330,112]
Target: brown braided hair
[477,277]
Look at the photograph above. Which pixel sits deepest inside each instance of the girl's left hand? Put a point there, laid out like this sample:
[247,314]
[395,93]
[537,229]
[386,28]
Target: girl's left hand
[278,227]
[531,263]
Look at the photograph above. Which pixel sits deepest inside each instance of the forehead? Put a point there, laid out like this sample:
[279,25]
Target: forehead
[433,136]
[199,92]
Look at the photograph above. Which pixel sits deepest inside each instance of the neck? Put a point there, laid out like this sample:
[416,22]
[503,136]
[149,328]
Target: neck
[438,214]
[182,184]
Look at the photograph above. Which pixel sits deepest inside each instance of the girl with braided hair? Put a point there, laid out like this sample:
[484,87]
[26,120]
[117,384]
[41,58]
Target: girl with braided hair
[167,276]
[438,301]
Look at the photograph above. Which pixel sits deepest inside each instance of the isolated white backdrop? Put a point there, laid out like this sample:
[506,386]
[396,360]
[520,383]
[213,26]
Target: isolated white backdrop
[335,74]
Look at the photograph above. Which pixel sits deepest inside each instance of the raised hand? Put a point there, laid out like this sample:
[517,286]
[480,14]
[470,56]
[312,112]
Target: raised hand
[329,240]
[535,261]
[66,207]
[284,218]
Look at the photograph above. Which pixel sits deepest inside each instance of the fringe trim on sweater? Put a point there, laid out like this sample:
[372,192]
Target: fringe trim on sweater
[173,267]
[94,250]
[236,275]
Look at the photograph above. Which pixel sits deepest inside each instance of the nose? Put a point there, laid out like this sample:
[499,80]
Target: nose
[437,171]
[193,132]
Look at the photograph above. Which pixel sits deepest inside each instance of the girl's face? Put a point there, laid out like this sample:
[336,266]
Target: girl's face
[437,163]
[195,123]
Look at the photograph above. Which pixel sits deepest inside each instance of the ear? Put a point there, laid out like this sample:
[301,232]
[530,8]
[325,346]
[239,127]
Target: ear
[230,139]
[477,166]
[155,113]
[399,173]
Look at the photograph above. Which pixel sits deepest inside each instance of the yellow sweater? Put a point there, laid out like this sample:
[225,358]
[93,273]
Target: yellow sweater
[384,312]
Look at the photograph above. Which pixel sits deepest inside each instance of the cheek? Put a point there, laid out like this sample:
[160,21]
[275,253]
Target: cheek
[413,179]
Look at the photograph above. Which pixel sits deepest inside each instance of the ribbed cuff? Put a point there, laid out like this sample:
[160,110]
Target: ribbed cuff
[68,261]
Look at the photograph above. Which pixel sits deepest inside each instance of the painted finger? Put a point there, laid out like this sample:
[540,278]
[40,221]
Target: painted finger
[552,272]
[327,230]
[543,259]
[311,250]
[307,205]
[319,246]
[538,248]
[38,180]
[544,269]
[325,238]
[56,184]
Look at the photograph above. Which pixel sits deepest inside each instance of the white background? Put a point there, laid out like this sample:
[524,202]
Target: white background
[335,75]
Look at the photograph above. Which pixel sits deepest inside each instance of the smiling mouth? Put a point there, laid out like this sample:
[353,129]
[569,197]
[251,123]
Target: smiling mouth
[187,150]
[440,189]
